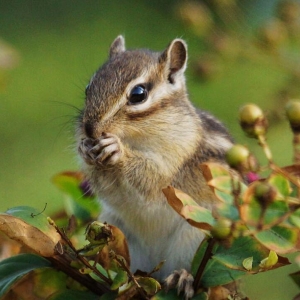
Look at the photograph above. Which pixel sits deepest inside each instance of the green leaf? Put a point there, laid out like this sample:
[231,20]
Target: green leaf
[189,209]
[281,183]
[39,284]
[201,296]
[296,277]
[74,295]
[31,216]
[120,279]
[251,209]
[41,241]
[14,268]
[223,187]
[173,295]
[150,285]
[280,239]
[274,211]
[243,247]
[109,296]
[227,211]
[69,183]
[218,274]
[222,183]
[215,272]
[229,263]
[294,218]
[248,263]
[170,295]
[224,196]
[198,216]
[77,203]
[101,270]
[212,170]
[270,261]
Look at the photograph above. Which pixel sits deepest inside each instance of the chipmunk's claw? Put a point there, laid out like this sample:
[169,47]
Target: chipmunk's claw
[182,281]
[102,151]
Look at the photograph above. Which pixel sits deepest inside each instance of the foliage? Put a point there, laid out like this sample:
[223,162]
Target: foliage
[253,224]
[250,229]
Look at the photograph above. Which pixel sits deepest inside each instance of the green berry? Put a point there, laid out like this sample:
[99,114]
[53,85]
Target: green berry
[237,155]
[222,229]
[97,232]
[252,120]
[264,193]
[250,113]
[292,110]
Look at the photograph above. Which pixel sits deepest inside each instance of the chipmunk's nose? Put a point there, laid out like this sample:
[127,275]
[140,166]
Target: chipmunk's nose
[91,130]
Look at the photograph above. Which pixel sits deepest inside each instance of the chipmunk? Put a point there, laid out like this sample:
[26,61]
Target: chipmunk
[139,133]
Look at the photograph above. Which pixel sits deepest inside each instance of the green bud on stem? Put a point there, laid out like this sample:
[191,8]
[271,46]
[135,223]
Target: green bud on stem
[252,120]
[265,194]
[98,233]
[237,155]
[222,229]
[292,110]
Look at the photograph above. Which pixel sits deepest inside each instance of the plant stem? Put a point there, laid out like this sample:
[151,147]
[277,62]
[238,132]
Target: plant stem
[131,276]
[82,259]
[263,143]
[207,255]
[290,177]
[63,265]
[296,146]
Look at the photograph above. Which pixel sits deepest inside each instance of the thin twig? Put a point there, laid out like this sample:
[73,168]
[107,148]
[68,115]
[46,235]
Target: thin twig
[207,256]
[296,147]
[272,224]
[63,265]
[80,257]
[263,143]
[280,171]
[131,276]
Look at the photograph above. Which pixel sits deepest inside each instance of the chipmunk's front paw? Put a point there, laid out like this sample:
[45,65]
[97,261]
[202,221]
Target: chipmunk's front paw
[105,150]
[182,281]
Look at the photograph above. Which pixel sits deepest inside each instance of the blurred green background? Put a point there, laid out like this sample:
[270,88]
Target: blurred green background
[239,52]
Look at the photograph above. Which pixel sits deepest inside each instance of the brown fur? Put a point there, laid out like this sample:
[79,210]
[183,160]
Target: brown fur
[146,147]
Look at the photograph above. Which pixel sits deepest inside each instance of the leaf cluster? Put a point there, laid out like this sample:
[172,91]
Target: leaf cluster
[253,224]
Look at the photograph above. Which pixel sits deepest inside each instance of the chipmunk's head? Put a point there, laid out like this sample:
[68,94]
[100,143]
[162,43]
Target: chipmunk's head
[130,94]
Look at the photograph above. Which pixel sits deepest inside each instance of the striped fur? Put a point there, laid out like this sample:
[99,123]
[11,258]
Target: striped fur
[147,147]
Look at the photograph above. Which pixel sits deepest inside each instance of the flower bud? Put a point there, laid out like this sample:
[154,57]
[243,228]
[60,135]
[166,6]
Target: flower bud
[222,229]
[98,233]
[292,110]
[265,193]
[252,120]
[237,155]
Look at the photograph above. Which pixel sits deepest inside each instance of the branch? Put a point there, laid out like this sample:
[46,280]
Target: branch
[205,259]
[63,265]
[131,276]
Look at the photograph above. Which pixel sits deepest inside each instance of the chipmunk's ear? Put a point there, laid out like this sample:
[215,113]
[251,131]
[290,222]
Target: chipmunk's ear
[117,47]
[175,59]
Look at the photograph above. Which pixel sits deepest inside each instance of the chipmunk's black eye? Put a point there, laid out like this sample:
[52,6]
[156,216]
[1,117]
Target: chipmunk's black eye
[138,95]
